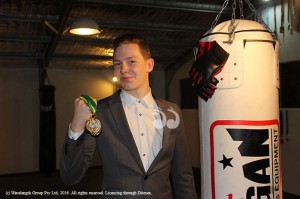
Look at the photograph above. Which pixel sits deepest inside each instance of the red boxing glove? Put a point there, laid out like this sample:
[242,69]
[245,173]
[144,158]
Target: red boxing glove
[210,61]
[205,91]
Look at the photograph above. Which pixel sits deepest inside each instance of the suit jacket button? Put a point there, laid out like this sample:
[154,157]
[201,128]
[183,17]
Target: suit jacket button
[145,177]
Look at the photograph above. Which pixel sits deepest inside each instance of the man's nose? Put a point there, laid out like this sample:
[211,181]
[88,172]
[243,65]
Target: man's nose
[124,68]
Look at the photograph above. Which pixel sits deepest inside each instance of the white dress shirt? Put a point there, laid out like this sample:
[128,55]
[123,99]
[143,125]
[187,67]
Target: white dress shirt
[142,116]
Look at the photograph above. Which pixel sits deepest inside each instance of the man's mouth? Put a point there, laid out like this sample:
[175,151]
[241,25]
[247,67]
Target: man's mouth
[126,78]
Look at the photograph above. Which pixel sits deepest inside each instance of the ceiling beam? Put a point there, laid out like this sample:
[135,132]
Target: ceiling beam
[88,57]
[185,6]
[24,38]
[34,55]
[83,57]
[28,18]
[112,24]
[87,40]
[62,21]
[151,26]
[109,42]
[21,55]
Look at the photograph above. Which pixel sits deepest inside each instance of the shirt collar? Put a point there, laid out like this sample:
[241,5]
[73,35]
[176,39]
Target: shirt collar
[146,101]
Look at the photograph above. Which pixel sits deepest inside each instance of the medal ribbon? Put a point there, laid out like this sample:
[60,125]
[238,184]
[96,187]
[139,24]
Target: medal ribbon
[93,125]
[90,102]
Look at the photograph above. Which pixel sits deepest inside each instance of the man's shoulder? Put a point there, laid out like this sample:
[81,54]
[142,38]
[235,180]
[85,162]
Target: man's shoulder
[166,104]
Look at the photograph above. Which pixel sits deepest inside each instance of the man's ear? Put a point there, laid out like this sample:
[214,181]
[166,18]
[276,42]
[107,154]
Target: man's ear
[150,65]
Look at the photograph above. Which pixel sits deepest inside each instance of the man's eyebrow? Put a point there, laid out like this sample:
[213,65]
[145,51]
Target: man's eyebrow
[131,57]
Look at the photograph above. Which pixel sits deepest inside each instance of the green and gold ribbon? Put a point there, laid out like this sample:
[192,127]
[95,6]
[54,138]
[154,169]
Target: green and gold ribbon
[90,102]
[93,125]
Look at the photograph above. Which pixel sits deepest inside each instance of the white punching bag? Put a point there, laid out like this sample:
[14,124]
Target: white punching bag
[239,125]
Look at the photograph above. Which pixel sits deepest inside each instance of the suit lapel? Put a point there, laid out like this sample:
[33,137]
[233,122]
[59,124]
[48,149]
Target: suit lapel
[120,120]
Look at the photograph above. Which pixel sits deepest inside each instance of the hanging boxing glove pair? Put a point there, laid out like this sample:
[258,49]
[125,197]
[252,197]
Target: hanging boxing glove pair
[210,60]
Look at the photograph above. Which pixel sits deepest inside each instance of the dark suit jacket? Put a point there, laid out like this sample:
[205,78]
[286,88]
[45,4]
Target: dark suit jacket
[122,166]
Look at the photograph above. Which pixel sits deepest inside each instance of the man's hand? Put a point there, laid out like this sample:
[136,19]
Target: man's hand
[81,115]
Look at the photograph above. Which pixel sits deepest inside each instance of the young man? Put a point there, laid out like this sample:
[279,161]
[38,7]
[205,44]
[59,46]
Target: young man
[142,140]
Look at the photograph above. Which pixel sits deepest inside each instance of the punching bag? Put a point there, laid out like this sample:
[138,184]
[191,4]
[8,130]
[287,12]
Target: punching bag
[47,155]
[239,124]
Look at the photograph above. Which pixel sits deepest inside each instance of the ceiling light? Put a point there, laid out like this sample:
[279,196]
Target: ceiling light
[84,26]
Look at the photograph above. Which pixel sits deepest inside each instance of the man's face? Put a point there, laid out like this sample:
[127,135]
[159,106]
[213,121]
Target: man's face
[131,68]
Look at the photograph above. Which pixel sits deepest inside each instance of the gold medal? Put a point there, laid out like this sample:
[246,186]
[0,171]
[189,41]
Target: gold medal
[93,126]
